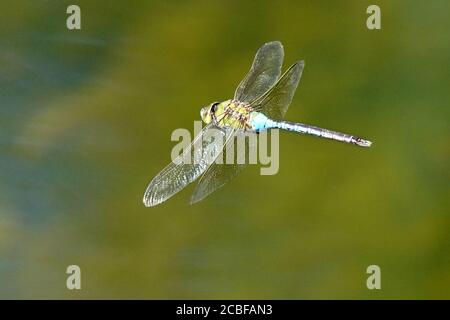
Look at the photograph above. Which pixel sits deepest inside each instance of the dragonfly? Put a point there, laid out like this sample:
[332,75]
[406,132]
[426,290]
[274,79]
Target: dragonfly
[260,103]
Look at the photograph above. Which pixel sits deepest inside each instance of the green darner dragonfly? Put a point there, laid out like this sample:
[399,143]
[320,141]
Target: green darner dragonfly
[260,102]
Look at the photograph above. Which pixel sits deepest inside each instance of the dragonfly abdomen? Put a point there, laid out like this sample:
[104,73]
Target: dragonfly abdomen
[320,132]
[259,122]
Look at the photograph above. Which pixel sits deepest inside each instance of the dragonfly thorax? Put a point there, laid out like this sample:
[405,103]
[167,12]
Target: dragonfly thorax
[230,113]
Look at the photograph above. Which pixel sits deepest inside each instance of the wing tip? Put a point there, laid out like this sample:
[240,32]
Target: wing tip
[149,199]
[196,197]
[146,201]
[193,201]
[275,42]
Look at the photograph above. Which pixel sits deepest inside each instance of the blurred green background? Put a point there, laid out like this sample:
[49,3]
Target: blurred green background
[85,123]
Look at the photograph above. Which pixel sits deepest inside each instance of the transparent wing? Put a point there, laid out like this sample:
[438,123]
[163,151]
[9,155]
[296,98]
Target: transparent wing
[265,71]
[218,175]
[187,167]
[275,102]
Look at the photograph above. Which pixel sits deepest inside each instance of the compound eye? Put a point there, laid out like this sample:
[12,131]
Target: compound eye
[214,106]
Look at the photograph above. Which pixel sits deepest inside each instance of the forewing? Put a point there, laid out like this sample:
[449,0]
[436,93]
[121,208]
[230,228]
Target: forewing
[218,175]
[187,167]
[275,102]
[265,71]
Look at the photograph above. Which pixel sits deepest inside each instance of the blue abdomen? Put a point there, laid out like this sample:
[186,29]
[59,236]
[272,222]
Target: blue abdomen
[259,121]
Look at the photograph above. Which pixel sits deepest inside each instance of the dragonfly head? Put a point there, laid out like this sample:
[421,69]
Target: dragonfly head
[207,112]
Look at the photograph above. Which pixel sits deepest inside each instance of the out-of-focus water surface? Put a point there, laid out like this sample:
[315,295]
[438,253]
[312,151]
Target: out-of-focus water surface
[85,123]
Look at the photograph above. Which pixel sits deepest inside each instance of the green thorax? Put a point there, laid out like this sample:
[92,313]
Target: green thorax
[233,114]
